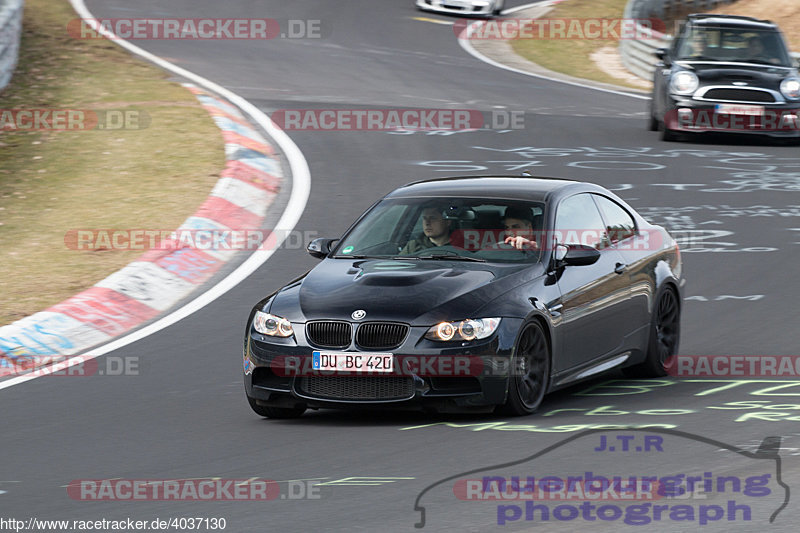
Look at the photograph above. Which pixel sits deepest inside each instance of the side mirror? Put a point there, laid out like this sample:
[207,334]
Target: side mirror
[320,248]
[663,55]
[580,255]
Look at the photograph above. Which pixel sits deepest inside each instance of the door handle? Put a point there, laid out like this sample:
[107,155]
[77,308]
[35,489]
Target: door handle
[555,309]
[620,268]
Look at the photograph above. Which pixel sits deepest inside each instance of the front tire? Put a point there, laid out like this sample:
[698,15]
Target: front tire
[652,123]
[530,372]
[275,412]
[668,135]
[665,332]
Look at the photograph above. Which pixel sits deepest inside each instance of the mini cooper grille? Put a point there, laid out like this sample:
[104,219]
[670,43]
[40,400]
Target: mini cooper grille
[739,95]
[357,388]
[329,334]
[381,335]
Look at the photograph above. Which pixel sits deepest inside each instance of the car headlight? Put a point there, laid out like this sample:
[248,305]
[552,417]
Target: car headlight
[790,87]
[463,330]
[272,325]
[684,82]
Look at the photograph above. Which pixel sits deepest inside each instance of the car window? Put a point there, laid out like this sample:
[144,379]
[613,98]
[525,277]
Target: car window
[619,223]
[470,228]
[378,233]
[579,222]
[733,44]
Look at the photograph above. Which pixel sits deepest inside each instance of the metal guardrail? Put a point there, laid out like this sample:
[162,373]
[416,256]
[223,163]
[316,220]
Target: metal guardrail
[10,33]
[637,54]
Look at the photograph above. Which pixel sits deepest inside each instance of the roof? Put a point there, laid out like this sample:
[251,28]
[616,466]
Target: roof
[506,187]
[704,19]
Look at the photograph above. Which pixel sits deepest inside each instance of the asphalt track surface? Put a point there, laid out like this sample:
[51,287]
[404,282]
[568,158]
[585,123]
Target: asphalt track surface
[184,415]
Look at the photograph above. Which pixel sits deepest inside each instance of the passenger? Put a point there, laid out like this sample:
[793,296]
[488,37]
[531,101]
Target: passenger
[518,222]
[698,45]
[436,232]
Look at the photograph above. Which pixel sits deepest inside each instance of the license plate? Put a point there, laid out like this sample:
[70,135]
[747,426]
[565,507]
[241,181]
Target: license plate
[735,109]
[352,362]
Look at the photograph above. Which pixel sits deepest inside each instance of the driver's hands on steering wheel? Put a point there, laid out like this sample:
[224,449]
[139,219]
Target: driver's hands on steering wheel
[521,243]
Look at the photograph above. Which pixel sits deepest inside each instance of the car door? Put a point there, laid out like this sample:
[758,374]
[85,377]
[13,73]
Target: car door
[593,297]
[637,254]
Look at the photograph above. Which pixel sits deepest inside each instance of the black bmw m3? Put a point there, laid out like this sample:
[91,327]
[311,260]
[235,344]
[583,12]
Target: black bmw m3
[469,294]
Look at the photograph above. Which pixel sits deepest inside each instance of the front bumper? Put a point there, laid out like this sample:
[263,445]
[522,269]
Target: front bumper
[279,374]
[457,7]
[688,115]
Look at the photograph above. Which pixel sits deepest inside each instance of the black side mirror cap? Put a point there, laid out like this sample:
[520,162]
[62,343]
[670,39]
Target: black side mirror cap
[581,255]
[320,248]
[663,55]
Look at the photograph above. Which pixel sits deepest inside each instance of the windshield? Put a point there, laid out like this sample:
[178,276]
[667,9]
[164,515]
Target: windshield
[460,229]
[733,44]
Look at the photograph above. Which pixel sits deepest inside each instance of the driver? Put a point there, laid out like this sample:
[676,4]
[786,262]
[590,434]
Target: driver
[436,232]
[756,50]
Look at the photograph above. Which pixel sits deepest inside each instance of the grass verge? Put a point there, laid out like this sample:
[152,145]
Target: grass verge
[573,56]
[50,182]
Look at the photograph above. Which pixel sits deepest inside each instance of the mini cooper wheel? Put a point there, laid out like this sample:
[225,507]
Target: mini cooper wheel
[530,372]
[668,135]
[275,412]
[652,122]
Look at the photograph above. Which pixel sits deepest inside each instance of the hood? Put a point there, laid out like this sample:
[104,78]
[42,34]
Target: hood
[405,291]
[719,73]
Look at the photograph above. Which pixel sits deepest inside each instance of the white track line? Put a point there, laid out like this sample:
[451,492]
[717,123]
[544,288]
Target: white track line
[466,44]
[301,188]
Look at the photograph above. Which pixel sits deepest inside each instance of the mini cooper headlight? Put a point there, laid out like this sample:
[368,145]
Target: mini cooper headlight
[272,325]
[790,87]
[684,82]
[463,330]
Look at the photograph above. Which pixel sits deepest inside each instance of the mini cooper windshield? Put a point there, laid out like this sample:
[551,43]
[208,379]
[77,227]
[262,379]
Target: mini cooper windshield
[461,229]
[736,45]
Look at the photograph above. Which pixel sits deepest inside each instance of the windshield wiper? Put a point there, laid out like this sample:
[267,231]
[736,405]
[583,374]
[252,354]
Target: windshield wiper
[453,257]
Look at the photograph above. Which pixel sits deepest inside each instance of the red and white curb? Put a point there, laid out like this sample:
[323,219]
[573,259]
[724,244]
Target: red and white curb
[161,278]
